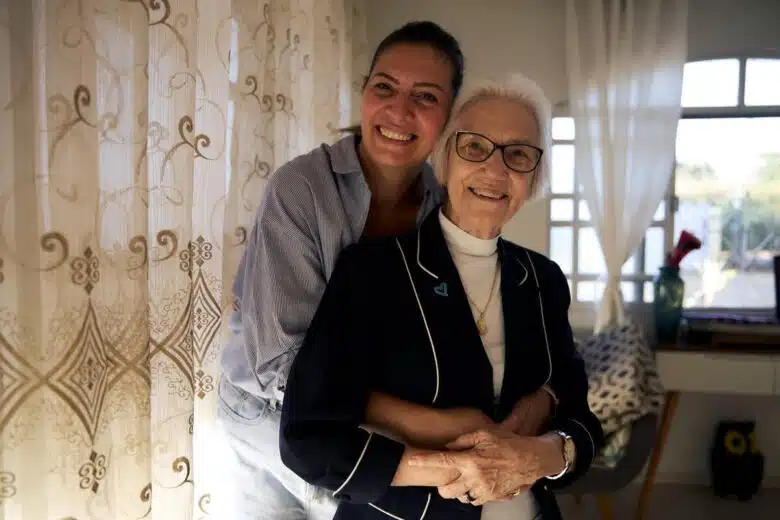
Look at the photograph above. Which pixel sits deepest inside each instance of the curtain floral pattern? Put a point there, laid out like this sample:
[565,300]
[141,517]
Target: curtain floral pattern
[136,137]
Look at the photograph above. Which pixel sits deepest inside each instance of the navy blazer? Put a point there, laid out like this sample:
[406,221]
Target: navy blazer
[395,319]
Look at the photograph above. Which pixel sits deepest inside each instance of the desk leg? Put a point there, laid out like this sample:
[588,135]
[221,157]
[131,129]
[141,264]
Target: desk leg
[670,407]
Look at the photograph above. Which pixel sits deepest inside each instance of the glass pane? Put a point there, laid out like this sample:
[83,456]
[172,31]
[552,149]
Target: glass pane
[728,184]
[660,212]
[562,168]
[631,266]
[589,291]
[561,247]
[583,213]
[589,257]
[648,292]
[629,291]
[562,210]
[711,83]
[563,128]
[654,250]
[762,82]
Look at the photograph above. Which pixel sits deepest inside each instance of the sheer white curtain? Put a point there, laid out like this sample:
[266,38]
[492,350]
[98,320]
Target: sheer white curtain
[625,67]
[136,138]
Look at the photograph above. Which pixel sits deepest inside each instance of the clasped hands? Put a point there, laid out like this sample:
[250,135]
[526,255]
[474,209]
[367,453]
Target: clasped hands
[489,461]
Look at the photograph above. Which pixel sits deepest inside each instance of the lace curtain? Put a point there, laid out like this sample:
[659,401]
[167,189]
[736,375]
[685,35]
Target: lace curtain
[136,137]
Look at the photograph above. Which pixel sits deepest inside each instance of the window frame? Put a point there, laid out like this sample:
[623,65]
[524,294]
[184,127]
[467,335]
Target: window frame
[739,111]
[640,278]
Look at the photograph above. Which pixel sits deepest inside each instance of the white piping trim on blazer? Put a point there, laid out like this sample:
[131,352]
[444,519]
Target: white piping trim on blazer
[592,444]
[391,515]
[425,509]
[541,310]
[355,467]
[418,258]
[436,277]
[422,313]
[525,276]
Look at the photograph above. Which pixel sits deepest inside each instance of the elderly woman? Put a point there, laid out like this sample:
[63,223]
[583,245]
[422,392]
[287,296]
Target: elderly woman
[452,317]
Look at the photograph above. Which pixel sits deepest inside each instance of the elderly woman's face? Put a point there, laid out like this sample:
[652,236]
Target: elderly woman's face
[485,195]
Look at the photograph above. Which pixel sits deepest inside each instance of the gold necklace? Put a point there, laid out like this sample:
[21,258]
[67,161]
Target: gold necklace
[481,325]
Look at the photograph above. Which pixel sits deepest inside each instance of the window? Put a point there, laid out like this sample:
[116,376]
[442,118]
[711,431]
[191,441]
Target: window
[725,189]
[727,181]
[573,241]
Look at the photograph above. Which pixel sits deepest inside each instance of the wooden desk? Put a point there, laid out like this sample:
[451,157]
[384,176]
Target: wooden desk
[709,370]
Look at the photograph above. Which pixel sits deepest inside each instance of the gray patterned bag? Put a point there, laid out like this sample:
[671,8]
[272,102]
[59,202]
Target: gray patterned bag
[623,384]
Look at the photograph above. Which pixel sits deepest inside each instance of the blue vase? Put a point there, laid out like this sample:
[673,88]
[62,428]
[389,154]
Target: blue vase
[668,293]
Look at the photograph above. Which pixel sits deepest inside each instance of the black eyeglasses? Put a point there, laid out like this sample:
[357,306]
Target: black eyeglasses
[474,147]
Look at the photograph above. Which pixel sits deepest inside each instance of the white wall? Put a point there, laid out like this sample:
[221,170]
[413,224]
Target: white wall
[502,36]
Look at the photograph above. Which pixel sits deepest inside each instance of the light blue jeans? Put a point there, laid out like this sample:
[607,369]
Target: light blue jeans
[254,484]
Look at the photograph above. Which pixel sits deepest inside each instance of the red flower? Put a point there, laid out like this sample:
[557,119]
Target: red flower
[686,243]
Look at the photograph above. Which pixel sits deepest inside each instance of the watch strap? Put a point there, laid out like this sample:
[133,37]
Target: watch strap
[567,456]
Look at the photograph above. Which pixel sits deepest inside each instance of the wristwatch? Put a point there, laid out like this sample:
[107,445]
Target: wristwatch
[569,453]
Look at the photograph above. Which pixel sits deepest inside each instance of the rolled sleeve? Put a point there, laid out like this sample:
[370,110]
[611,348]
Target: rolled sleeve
[321,438]
[570,384]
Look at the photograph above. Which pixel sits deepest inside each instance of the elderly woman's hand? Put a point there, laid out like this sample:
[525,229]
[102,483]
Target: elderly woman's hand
[495,465]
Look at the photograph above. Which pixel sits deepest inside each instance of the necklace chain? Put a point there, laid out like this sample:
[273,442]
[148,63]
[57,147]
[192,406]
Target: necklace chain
[481,325]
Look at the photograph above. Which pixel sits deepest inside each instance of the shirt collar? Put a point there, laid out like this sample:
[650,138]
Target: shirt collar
[344,157]
[460,241]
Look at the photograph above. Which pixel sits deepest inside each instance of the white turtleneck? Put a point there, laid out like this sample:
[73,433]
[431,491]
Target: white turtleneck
[476,260]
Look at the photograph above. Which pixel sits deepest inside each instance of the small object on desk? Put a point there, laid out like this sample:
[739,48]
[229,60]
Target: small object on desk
[736,464]
[724,331]
[669,290]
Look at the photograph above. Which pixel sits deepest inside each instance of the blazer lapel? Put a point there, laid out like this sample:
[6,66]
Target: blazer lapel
[527,364]
[450,320]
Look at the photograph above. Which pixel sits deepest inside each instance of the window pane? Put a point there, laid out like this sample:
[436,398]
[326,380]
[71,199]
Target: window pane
[561,247]
[654,250]
[563,128]
[588,291]
[648,292]
[762,82]
[712,83]
[728,184]
[589,257]
[562,210]
[631,266]
[562,168]
[583,213]
[629,291]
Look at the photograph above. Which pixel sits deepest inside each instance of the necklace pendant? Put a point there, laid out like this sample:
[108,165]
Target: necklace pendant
[482,326]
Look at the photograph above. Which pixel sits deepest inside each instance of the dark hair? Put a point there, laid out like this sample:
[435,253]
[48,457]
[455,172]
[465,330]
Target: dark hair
[424,33]
[431,35]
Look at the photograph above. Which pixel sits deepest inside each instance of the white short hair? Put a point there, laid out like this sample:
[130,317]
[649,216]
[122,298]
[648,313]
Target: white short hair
[516,88]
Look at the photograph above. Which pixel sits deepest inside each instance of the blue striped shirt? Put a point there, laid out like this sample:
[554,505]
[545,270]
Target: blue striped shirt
[314,206]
